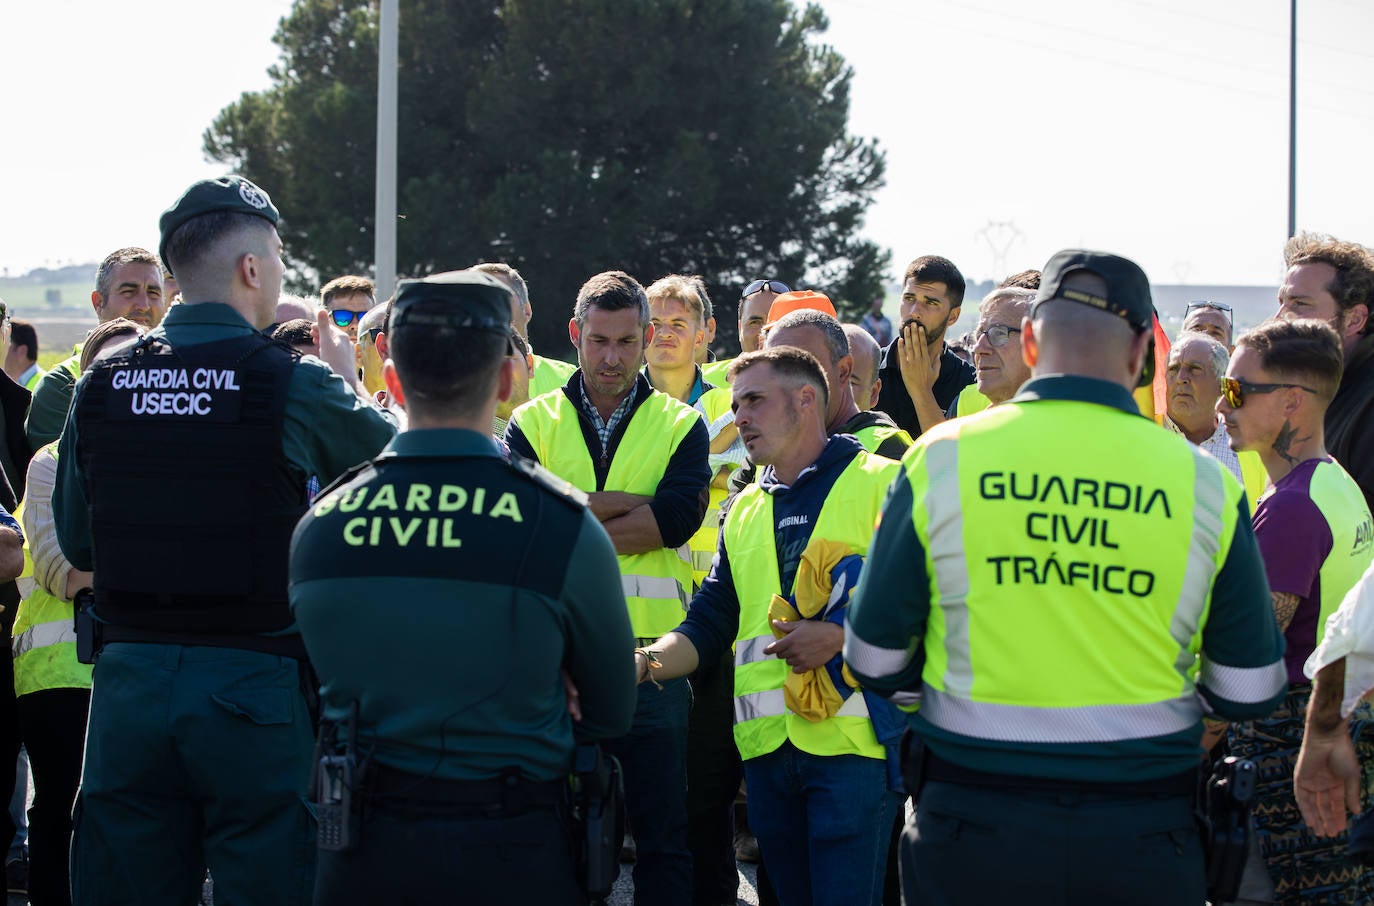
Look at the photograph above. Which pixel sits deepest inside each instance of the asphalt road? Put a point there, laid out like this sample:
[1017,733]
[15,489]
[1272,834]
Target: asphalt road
[623,894]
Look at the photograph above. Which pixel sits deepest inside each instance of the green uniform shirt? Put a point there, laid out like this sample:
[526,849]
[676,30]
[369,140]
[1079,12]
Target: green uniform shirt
[52,397]
[445,597]
[327,429]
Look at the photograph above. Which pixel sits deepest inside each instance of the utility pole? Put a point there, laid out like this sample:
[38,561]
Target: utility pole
[384,249]
[1293,118]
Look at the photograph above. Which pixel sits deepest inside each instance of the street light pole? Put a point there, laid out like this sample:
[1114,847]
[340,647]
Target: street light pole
[385,217]
[1293,118]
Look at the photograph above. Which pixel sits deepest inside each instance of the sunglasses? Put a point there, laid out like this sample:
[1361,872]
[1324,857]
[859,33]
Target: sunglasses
[758,286]
[1214,306]
[997,334]
[343,317]
[1234,390]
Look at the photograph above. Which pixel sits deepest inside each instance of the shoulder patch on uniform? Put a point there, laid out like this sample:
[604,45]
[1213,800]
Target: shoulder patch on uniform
[547,479]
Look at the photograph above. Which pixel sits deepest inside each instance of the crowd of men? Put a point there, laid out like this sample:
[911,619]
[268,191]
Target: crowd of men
[382,557]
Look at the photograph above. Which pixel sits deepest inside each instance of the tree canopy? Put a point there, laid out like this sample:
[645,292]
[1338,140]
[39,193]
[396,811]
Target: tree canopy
[567,137]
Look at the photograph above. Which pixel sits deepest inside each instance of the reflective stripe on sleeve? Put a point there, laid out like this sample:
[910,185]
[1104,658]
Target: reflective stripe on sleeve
[1243,685]
[875,660]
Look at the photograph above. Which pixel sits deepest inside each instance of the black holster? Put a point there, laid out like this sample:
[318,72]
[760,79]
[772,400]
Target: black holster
[913,763]
[337,783]
[88,635]
[1223,807]
[598,811]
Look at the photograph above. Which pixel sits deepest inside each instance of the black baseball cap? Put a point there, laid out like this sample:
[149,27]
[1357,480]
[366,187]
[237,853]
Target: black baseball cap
[228,193]
[463,300]
[1128,289]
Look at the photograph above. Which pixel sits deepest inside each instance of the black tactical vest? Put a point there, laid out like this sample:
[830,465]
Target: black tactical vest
[192,499]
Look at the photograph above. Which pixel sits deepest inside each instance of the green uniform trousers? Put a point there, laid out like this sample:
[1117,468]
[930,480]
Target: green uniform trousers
[980,846]
[195,757]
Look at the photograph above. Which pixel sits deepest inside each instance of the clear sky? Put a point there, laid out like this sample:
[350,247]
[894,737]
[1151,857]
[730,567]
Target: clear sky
[1153,128]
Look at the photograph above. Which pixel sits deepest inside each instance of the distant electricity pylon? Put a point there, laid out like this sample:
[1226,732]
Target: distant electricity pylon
[1000,235]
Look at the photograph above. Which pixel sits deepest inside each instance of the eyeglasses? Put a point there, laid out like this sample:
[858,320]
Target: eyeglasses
[758,286]
[371,334]
[997,335]
[1234,390]
[1214,306]
[343,317]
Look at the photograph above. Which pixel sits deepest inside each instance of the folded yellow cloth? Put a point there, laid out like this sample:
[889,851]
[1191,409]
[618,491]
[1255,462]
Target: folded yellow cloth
[812,695]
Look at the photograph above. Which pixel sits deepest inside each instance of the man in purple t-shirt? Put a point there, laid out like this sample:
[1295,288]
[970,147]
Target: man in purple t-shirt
[1316,537]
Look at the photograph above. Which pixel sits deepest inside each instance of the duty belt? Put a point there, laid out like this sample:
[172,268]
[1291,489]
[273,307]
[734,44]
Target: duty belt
[283,645]
[938,769]
[493,796]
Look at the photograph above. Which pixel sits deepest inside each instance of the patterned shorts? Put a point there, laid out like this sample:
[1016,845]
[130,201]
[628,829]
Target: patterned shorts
[1305,869]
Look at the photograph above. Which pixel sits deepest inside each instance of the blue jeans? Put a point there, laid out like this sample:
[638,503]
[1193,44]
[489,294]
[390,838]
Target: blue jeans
[653,758]
[823,824]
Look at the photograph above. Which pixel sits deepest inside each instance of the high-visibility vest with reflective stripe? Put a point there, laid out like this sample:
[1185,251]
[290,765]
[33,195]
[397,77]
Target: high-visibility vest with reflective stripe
[1070,581]
[656,583]
[713,404]
[1342,505]
[44,646]
[762,721]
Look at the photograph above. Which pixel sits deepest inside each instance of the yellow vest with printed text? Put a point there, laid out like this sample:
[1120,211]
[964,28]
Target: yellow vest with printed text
[1347,516]
[762,720]
[656,583]
[1069,582]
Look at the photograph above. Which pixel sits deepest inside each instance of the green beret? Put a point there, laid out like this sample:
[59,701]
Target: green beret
[228,193]
[464,300]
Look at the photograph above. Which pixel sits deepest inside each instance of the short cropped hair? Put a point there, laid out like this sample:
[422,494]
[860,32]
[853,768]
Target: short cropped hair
[688,289]
[797,365]
[190,243]
[1305,351]
[295,332]
[443,368]
[508,275]
[935,269]
[118,258]
[1354,281]
[103,335]
[22,333]
[611,291]
[836,343]
[348,285]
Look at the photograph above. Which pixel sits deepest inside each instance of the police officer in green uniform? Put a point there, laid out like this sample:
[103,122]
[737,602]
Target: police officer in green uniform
[181,473]
[441,592]
[1060,585]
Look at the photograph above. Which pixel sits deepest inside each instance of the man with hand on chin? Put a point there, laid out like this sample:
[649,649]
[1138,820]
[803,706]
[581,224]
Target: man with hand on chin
[921,377]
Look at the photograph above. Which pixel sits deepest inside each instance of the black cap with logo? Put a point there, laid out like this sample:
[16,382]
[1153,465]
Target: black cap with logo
[462,300]
[1128,289]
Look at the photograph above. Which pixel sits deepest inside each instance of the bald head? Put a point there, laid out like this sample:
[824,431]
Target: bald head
[868,357]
